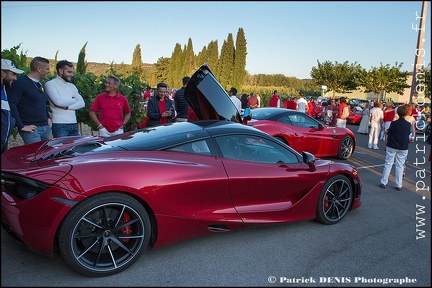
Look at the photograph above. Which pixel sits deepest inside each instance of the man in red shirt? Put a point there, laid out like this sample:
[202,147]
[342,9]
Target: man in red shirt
[290,104]
[113,108]
[274,100]
[341,119]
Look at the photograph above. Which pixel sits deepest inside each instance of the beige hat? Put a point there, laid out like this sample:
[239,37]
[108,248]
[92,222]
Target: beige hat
[8,65]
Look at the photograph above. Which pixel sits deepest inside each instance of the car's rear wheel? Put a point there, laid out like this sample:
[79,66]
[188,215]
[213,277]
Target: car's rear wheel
[346,148]
[335,200]
[104,234]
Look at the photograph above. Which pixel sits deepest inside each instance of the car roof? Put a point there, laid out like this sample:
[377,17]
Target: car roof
[158,137]
[271,113]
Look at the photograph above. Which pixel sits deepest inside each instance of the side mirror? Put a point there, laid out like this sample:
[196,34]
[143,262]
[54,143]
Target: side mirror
[309,159]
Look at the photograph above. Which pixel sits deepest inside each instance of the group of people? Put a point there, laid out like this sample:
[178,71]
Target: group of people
[395,126]
[24,103]
[245,101]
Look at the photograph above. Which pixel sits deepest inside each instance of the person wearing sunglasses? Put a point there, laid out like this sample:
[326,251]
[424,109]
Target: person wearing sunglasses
[28,103]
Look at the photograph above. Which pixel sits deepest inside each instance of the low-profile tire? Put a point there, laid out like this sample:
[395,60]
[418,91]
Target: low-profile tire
[346,148]
[104,234]
[335,200]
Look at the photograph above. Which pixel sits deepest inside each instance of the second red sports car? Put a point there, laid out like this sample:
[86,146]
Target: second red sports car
[303,133]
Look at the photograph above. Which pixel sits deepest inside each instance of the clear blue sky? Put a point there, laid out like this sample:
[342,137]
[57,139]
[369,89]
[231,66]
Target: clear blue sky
[282,37]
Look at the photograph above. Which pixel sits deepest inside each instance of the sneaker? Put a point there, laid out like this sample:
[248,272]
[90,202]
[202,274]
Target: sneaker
[383,186]
[376,148]
[398,188]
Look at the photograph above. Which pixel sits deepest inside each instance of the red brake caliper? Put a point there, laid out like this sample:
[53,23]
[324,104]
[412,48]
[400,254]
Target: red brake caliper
[127,230]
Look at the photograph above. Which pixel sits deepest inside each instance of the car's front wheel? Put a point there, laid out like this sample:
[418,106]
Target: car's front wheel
[335,200]
[104,234]
[346,148]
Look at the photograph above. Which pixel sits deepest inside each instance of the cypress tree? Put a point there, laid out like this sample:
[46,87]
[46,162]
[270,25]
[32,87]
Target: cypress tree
[239,69]
[137,65]
[82,65]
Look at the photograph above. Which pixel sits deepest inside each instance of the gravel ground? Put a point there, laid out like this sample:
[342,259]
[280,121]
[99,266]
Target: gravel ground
[17,141]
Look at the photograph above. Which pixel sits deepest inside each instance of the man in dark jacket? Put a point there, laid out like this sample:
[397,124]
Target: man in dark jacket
[8,75]
[160,109]
[181,105]
[397,148]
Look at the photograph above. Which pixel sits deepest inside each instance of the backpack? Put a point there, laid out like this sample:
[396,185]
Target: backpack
[345,113]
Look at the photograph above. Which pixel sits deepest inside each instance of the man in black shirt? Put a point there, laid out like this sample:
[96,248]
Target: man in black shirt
[397,148]
[181,105]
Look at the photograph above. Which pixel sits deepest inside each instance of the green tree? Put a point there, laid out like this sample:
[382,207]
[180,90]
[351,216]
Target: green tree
[384,79]
[137,65]
[226,62]
[239,69]
[162,65]
[53,68]
[19,60]
[189,59]
[212,56]
[82,64]
[175,67]
[338,77]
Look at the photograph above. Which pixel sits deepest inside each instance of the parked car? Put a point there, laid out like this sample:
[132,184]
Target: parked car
[105,201]
[355,117]
[303,133]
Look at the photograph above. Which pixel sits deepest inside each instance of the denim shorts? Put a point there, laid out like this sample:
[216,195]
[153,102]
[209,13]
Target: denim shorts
[64,129]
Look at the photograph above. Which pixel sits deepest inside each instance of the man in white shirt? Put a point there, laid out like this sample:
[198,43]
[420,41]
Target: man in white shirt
[64,100]
[302,104]
[377,120]
[233,95]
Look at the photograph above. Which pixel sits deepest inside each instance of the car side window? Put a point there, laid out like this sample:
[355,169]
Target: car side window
[303,121]
[253,148]
[285,119]
[197,147]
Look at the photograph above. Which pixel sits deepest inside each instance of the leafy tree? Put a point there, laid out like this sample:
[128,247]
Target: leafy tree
[239,69]
[175,67]
[226,62]
[212,57]
[338,77]
[384,79]
[19,60]
[189,59]
[82,64]
[137,65]
[162,65]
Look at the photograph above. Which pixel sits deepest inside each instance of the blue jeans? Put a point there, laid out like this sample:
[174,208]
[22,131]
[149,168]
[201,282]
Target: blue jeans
[64,129]
[41,133]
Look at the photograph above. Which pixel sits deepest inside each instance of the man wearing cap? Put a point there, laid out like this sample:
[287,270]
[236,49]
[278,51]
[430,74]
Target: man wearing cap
[8,75]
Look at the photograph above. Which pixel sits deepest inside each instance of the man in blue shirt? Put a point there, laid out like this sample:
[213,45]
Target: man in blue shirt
[28,103]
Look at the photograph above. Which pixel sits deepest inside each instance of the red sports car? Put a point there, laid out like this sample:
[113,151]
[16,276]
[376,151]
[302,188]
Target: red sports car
[355,117]
[105,201]
[303,133]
